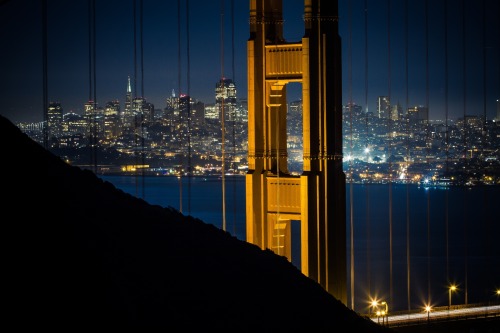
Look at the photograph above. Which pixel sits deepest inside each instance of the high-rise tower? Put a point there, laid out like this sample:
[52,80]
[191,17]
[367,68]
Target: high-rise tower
[111,120]
[225,95]
[316,198]
[383,107]
[498,110]
[54,122]
[128,112]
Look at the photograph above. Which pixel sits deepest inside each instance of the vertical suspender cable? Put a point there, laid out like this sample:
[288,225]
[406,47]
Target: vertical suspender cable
[368,277]
[464,64]
[143,98]
[428,248]
[233,113]
[484,82]
[45,75]
[427,131]
[485,196]
[141,40]
[464,90]
[465,139]
[279,246]
[447,135]
[222,114]
[89,122]
[408,279]
[390,143]
[135,47]
[188,81]
[179,94]
[351,196]
[92,86]
[94,118]
[134,104]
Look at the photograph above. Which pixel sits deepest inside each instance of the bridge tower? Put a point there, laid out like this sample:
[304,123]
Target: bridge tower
[315,198]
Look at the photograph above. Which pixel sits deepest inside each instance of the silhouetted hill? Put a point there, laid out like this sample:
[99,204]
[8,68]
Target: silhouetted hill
[80,253]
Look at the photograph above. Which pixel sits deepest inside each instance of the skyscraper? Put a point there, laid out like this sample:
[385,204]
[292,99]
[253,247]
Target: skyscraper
[171,110]
[383,106]
[128,114]
[225,94]
[112,120]
[418,114]
[396,112]
[498,109]
[54,122]
[94,117]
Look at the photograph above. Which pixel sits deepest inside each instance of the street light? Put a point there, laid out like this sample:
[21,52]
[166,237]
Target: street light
[428,310]
[452,288]
[385,312]
[373,305]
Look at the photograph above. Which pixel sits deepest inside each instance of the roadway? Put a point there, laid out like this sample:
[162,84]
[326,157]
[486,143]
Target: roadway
[438,314]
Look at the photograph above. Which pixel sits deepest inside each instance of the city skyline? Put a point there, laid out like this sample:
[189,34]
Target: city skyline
[471,86]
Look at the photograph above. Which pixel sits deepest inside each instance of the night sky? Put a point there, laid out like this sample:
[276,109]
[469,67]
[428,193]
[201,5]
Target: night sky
[455,71]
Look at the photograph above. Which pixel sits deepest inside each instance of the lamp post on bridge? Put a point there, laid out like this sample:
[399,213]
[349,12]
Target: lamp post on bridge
[428,310]
[450,290]
[373,305]
[385,312]
[380,313]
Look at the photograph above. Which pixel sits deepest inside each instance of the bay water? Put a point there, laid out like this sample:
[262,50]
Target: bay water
[406,244]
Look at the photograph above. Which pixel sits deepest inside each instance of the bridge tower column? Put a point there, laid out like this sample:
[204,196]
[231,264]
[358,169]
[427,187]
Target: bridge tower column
[316,198]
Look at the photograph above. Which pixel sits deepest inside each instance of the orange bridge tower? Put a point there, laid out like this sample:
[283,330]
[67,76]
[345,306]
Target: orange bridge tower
[316,197]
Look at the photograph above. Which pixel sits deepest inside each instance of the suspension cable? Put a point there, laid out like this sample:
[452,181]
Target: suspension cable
[188,81]
[351,196]
[222,113]
[390,150]
[143,163]
[141,40]
[94,66]
[408,279]
[486,200]
[45,75]
[234,118]
[446,135]
[464,90]
[465,135]
[92,85]
[278,171]
[484,82]
[427,134]
[367,142]
[179,95]
[134,104]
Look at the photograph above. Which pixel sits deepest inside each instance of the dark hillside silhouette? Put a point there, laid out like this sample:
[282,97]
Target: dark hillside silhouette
[79,253]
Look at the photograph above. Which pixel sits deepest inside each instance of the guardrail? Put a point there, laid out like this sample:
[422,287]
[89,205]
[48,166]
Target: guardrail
[439,314]
[442,316]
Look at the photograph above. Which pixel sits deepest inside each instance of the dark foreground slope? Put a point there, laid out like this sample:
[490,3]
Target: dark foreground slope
[80,253]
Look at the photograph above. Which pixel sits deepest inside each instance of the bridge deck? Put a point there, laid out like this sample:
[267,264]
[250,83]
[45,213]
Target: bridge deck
[439,314]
